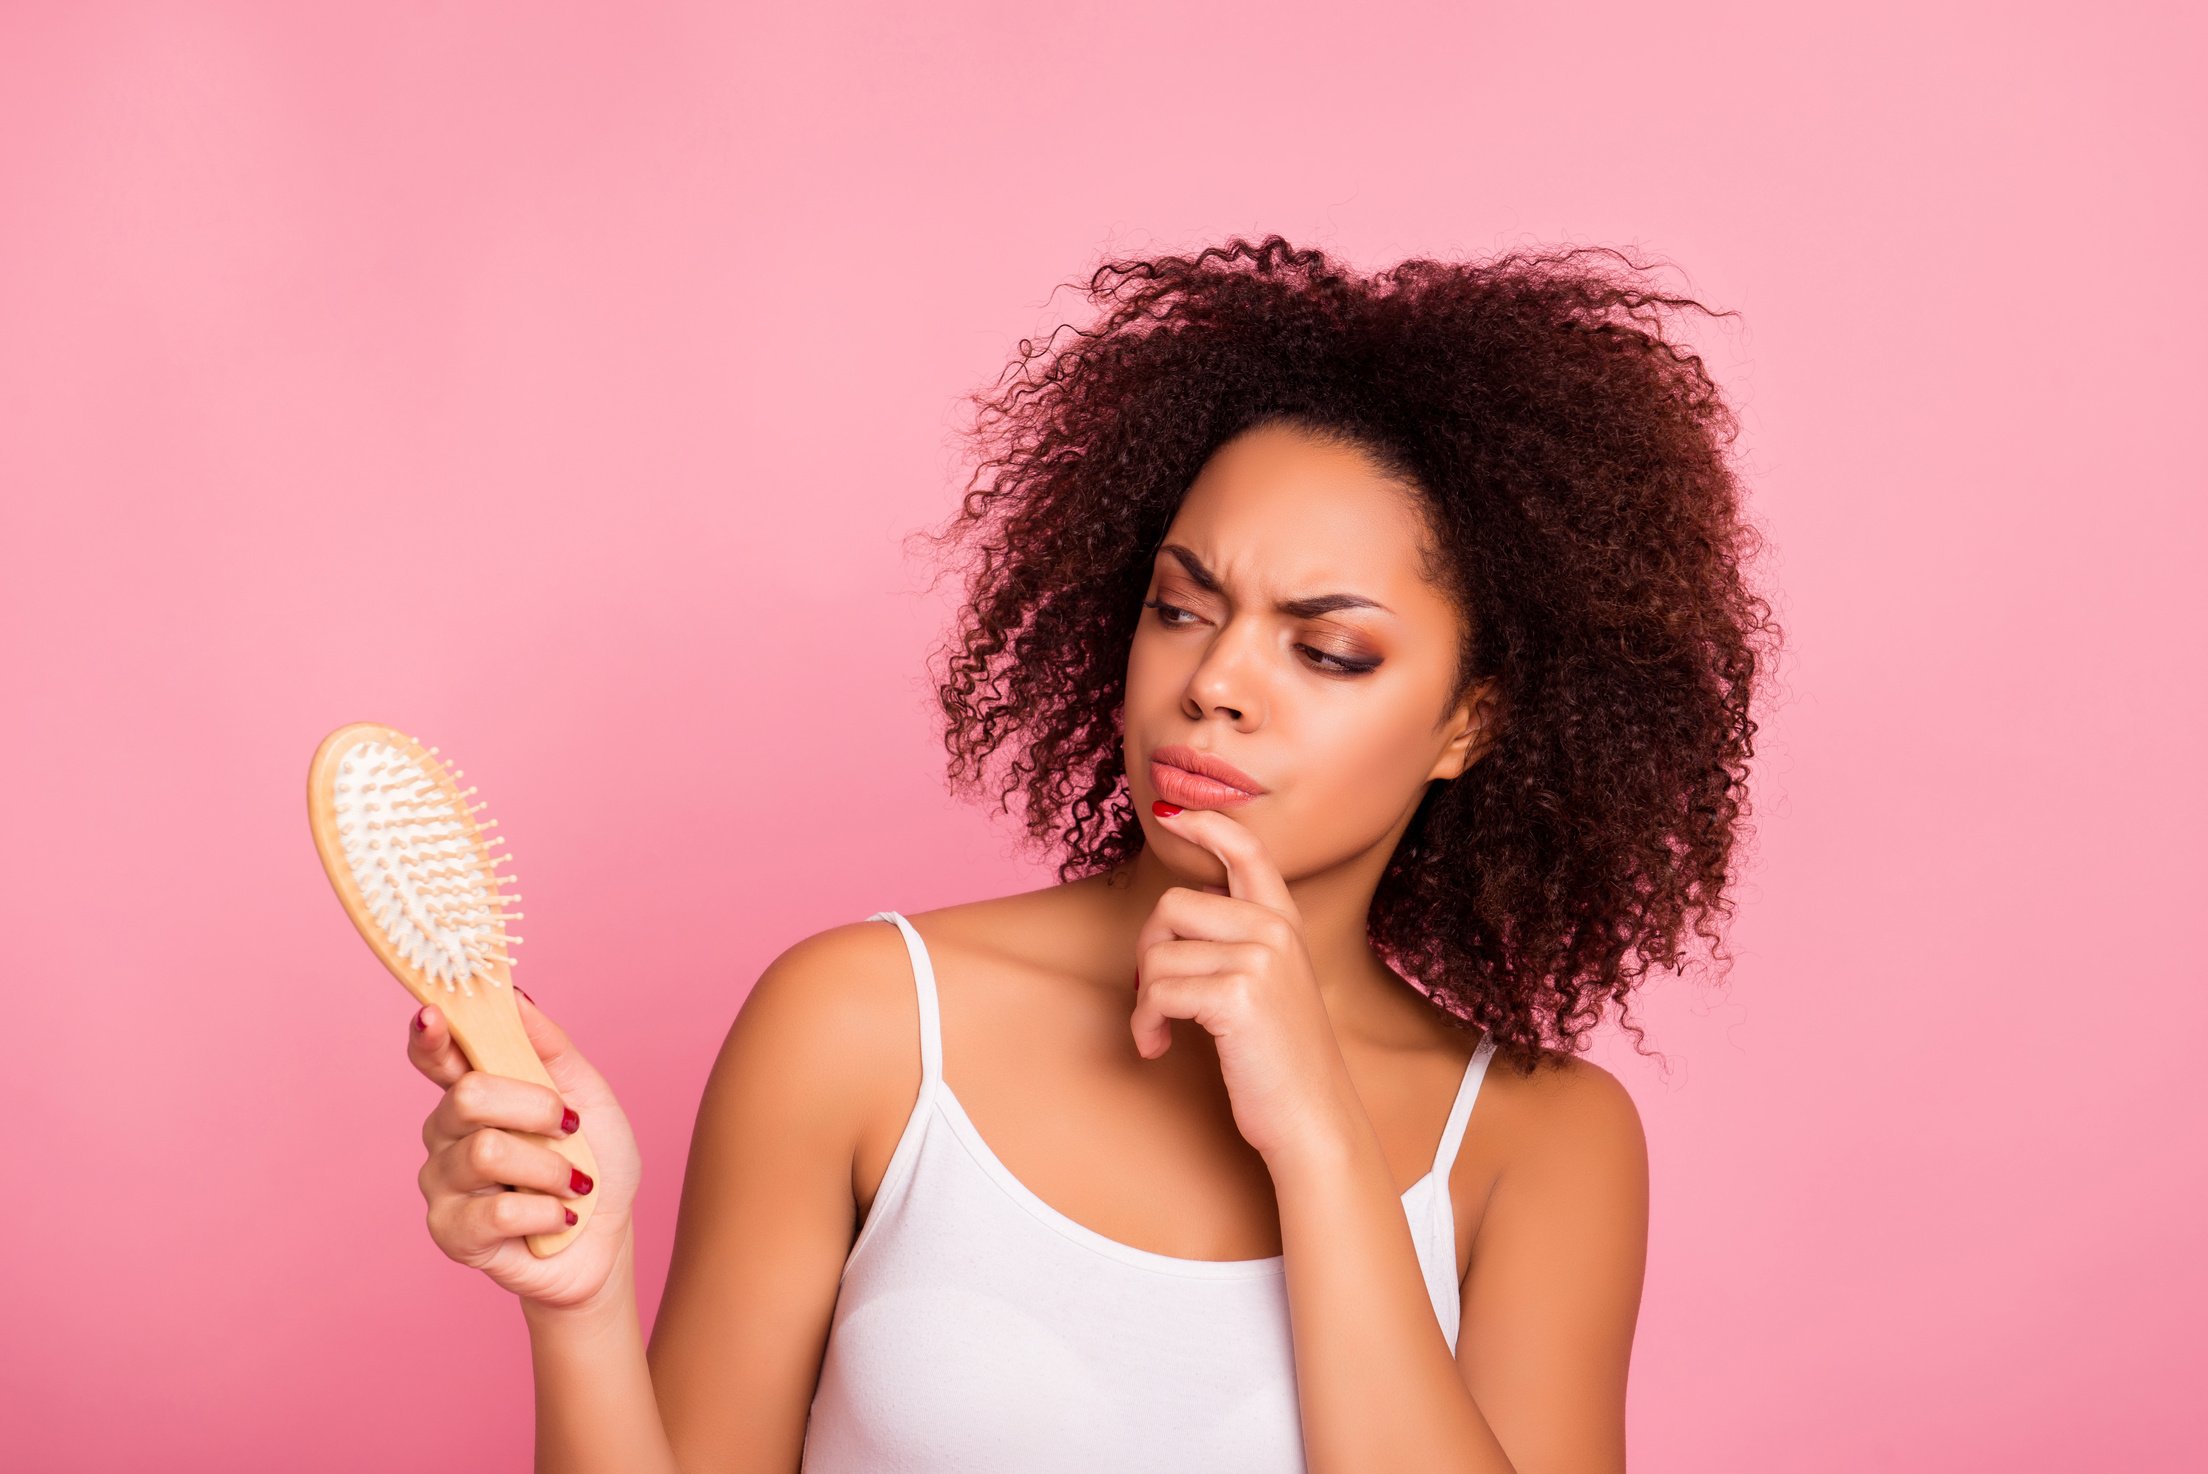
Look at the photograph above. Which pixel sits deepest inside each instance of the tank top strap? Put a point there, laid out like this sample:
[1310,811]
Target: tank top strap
[923,979]
[1460,1110]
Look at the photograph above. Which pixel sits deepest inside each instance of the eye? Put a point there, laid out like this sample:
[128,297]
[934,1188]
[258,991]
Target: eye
[1164,609]
[1334,664]
[1338,663]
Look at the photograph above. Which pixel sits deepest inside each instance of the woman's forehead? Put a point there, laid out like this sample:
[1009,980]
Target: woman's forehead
[1294,545]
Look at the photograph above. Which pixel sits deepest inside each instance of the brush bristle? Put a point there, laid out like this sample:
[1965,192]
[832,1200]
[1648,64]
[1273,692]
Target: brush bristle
[411,843]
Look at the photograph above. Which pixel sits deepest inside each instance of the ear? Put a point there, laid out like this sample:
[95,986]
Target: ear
[1477,721]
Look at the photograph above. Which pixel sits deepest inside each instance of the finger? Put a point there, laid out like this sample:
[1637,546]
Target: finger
[575,1076]
[471,1229]
[1251,873]
[1197,980]
[1179,979]
[1183,912]
[490,1160]
[430,1048]
[479,1099]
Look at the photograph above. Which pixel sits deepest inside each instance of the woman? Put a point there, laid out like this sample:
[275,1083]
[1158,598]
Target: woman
[1440,571]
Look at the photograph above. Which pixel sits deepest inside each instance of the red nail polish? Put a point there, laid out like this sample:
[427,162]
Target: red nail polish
[1163,809]
[569,1121]
[578,1181]
[524,992]
[570,1214]
[418,1017]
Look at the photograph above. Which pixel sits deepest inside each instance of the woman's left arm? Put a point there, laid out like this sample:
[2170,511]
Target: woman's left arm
[1548,1307]
[1547,1310]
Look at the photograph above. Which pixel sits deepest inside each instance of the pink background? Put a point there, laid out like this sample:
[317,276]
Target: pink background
[557,382]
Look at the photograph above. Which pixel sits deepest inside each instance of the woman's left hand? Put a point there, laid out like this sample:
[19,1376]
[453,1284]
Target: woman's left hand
[1236,963]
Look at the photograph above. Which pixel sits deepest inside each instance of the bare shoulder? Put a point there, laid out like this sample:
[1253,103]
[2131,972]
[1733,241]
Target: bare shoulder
[832,987]
[1567,1118]
[1554,1288]
[827,1020]
[766,1217]
[832,1028]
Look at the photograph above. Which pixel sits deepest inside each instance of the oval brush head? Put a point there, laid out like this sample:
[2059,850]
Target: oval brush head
[401,845]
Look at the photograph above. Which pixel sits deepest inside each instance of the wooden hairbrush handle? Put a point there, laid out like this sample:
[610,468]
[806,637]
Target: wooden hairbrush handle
[488,1030]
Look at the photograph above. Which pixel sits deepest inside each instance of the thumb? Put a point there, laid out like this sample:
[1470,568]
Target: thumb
[573,1075]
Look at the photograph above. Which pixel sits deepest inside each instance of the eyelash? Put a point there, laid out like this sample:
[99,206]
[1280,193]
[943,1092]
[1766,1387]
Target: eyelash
[1336,664]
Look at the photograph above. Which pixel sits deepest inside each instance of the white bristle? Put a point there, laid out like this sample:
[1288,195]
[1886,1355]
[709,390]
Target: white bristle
[437,904]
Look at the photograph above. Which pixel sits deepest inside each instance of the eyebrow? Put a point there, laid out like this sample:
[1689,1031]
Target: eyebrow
[1309,608]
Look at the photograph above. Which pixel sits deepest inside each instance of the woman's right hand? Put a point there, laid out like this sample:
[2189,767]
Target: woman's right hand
[474,1155]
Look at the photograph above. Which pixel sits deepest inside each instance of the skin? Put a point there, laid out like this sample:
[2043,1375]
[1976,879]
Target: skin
[1302,1084]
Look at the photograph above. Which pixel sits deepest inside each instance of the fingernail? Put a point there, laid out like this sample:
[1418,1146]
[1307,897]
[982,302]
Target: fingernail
[569,1121]
[569,1211]
[1163,809]
[524,992]
[578,1182]
[419,1014]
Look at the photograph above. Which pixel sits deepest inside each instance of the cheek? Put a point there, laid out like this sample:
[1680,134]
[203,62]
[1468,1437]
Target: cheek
[1328,816]
[1158,669]
[1142,670]
[1364,761]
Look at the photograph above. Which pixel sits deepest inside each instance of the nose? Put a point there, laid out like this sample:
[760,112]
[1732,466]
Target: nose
[1221,680]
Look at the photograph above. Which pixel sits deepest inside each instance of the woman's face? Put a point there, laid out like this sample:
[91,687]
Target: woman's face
[1334,711]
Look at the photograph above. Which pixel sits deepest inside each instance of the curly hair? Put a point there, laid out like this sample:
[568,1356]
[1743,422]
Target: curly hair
[1574,468]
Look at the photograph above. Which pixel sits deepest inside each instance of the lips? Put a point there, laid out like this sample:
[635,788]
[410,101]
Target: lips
[1197,780]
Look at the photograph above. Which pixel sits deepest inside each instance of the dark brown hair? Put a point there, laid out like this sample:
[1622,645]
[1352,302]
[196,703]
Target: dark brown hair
[1575,470]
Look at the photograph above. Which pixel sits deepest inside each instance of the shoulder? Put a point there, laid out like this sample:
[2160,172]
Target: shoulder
[826,1046]
[1569,1117]
[766,1217]
[1533,1135]
[842,1005]
[1568,1098]
[830,1018]
[1570,1190]
[1549,1304]
[832,986]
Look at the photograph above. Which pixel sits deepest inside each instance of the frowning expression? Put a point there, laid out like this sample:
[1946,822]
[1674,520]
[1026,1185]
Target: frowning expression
[1290,632]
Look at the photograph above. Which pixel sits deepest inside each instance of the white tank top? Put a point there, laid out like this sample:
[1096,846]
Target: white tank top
[978,1329]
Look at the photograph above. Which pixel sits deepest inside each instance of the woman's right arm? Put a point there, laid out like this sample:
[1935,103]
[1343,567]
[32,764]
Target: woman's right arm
[825,1043]
[821,1044]
[595,1406]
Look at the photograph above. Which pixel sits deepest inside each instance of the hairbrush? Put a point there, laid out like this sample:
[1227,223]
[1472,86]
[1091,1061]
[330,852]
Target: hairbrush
[412,866]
